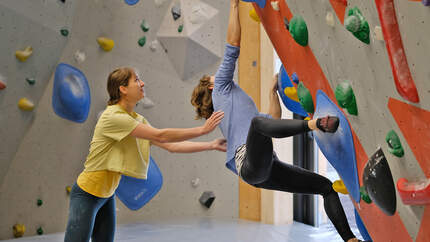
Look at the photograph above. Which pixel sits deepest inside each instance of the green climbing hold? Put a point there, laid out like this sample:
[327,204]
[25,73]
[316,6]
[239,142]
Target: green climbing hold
[305,98]
[299,30]
[30,81]
[39,231]
[358,25]
[345,97]
[142,41]
[39,202]
[64,32]
[180,28]
[364,195]
[144,26]
[394,145]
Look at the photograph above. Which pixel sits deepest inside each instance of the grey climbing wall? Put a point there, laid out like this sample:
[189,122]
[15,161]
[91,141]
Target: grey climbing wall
[41,153]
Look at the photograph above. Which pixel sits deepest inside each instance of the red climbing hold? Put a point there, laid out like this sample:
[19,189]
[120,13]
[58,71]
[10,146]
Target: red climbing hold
[414,193]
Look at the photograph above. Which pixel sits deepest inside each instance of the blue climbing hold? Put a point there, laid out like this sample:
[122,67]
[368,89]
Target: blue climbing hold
[260,3]
[131,2]
[71,96]
[361,227]
[338,147]
[135,193]
[284,83]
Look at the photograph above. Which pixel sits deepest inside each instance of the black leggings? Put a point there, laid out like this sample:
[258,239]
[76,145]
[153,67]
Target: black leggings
[261,168]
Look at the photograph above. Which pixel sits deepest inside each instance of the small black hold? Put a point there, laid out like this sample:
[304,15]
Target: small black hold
[207,198]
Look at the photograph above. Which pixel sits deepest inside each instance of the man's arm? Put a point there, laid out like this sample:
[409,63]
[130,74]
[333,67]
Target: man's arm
[224,75]
[274,105]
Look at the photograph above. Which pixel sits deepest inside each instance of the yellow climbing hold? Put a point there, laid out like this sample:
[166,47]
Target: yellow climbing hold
[18,230]
[254,15]
[339,186]
[106,43]
[68,189]
[291,92]
[307,118]
[22,55]
[25,104]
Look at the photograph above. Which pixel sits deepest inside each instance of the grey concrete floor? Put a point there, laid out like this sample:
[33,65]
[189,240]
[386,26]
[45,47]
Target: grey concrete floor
[211,230]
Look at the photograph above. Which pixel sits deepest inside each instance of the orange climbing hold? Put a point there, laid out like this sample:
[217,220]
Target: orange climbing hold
[414,193]
[2,85]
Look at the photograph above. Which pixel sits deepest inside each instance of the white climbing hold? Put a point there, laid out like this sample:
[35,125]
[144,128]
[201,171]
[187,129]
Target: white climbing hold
[79,56]
[378,33]
[195,182]
[153,45]
[329,18]
[275,5]
[158,3]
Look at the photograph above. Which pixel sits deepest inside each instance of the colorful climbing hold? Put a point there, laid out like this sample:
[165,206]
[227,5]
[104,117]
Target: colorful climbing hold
[105,43]
[260,3]
[39,231]
[176,11]
[339,187]
[142,41]
[364,195]
[305,98]
[414,193]
[25,104]
[180,28]
[18,230]
[291,92]
[2,85]
[144,26]
[71,97]
[39,202]
[379,184]
[275,5]
[22,55]
[68,189]
[329,18]
[394,145]
[299,30]
[253,14]
[346,98]
[131,2]
[30,80]
[64,32]
[378,33]
[357,25]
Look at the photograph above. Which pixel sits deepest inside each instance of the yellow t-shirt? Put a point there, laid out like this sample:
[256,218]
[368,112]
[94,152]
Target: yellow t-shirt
[114,151]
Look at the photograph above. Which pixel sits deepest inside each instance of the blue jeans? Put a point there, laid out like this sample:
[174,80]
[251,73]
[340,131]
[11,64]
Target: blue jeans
[90,217]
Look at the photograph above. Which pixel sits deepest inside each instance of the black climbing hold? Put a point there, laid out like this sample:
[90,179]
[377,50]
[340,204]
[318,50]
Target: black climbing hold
[379,184]
[176,11]
[207,198]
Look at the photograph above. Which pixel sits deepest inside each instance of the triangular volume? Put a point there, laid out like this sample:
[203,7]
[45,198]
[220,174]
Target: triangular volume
[176,50]
[197,14]
[197,59]
[169,26]
[207,35]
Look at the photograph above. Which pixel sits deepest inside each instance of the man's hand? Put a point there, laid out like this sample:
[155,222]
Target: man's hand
[212,122]
[219,144]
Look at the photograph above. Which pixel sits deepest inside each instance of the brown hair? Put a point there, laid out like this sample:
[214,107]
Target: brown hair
[201,98]
[117,78]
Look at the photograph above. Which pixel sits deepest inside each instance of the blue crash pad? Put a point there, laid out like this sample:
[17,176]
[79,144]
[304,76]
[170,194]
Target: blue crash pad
[135,193]
[71,98]
[260,3]
[361,227]
[283,82]
[338,147]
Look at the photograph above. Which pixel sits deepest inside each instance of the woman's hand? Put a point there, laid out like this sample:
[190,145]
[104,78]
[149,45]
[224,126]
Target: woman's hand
[219,144]
[213,121]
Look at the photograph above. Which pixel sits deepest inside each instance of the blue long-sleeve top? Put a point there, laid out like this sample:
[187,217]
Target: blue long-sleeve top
[239,109]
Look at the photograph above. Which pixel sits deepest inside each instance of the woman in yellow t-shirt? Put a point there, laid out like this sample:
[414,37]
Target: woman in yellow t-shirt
[121,145]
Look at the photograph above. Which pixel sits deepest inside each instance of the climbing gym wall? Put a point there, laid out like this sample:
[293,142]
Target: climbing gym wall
[364,61]
[56,56]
